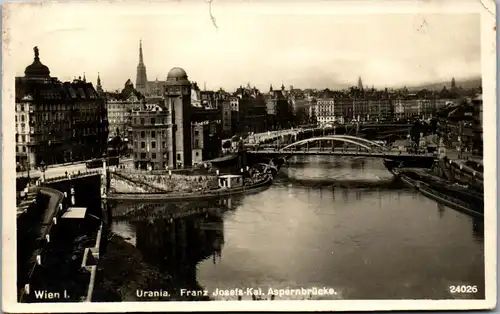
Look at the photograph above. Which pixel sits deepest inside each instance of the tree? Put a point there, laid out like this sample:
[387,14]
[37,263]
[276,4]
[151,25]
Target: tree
[227,144]
[415,131]
[433,125]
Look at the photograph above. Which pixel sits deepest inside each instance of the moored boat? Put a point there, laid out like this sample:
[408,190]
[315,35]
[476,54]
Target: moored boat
[452,195]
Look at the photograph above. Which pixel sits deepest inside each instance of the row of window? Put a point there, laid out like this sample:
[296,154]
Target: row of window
[57,107]
[57,116]
[151,134]
[22,118]
[118,120]
[20,149]
[21,138]
[119,106]
[154,156]
[153,145]
[152,121]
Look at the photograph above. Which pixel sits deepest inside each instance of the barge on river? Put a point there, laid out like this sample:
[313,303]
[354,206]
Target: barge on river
[245,189]
[453,195]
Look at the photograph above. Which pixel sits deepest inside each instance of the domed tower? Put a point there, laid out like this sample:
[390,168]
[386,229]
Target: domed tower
[178,102]
[37,69]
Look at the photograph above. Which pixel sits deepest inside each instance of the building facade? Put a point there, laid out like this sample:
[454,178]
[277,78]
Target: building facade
[227,118]
[120,106]
[206,134]
[170,133]
[279,110]
[325,111]
[252,111]
[177,94]
[57,122]
[151,130]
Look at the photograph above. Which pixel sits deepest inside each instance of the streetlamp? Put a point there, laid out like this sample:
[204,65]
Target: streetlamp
[28,168]
[104,164]
[43,167]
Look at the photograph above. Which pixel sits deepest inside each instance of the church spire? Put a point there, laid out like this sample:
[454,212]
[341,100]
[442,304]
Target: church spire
[84,79]
[141,59]
[141,81]
[98,87]
[360,83]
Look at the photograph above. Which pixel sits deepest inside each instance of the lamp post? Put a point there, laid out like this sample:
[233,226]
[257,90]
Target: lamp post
[43,167]
[104,162]
[28,169]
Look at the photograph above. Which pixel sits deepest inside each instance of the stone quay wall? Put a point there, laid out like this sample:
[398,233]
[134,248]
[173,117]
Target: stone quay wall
[127,182]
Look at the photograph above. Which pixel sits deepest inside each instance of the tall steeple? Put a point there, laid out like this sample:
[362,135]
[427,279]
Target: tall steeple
[98,87]
[141,59]
[141,78]
[360,83]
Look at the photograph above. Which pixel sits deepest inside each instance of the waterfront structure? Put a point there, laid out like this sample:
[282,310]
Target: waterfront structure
[57,122]
[278,109]
[177,95]
[151,139]
[227,118]
[234,104]
[120,106]
[195,95]
[207,134]
[325,110]
[252,111]
[208,99]
[169,133]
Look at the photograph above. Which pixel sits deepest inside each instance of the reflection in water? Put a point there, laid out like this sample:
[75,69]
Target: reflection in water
[175,237]
[335,223]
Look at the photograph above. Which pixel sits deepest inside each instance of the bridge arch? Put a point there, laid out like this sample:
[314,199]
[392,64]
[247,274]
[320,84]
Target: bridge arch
[360,139]
[328,138]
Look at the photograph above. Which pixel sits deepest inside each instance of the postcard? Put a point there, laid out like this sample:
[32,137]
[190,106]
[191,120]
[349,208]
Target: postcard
[229,156]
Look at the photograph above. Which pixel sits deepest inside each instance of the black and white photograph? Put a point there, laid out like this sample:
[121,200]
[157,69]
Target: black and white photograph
[218,155]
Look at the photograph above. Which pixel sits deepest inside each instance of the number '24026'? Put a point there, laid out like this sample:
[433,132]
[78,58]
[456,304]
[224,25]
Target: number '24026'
[463,289]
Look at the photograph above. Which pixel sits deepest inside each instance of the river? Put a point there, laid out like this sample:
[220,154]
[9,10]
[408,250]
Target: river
[326,222]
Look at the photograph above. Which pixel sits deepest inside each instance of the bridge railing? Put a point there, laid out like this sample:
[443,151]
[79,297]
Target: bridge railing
[68,176]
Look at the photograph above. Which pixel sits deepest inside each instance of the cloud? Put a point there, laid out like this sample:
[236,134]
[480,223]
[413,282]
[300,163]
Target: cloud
[304,50]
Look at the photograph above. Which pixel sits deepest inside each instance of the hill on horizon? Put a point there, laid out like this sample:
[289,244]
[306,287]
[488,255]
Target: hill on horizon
[463,83]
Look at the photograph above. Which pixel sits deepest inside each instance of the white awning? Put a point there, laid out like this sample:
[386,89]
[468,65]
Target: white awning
[75,213]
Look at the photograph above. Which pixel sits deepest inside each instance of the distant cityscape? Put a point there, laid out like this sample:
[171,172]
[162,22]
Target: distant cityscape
[176,124]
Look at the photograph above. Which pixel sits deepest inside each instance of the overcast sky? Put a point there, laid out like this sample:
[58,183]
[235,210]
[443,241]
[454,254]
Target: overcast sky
[306,49]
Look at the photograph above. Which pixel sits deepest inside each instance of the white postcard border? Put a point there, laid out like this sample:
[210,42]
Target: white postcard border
[488,45]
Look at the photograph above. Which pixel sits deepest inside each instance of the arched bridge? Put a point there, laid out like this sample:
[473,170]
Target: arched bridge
[329,145]
[373,131]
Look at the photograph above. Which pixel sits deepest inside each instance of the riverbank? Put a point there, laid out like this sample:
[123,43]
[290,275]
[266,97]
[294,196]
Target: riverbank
[122,273]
